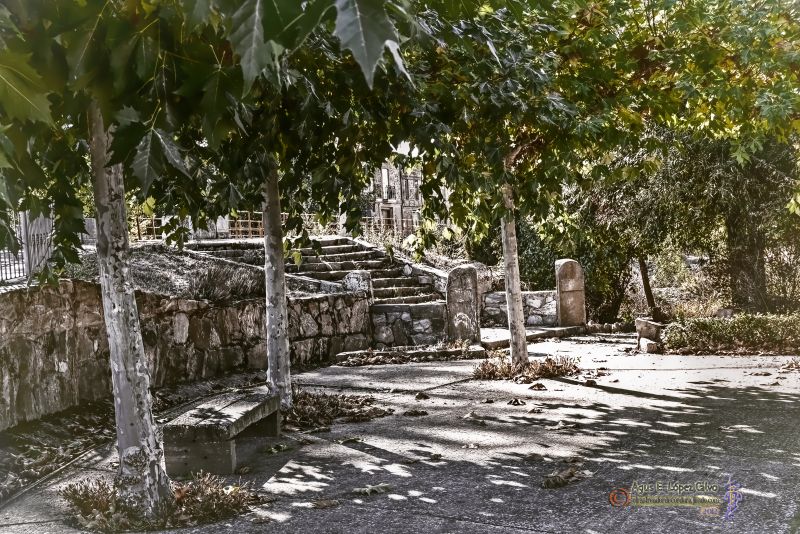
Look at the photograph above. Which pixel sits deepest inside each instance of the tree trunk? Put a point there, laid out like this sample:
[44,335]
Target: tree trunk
[648,292]
[516,317]
[141,481]
[279,377]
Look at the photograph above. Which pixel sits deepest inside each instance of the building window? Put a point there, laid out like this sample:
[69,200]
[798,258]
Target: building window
[384,183]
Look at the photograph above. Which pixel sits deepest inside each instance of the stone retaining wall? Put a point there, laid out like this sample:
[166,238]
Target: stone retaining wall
[395,325]
[54,351]
[539,308]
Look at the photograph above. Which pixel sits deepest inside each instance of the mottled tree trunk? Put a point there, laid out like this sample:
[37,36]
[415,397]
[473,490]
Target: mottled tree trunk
[279,377]
[648,291]
[141,480]
[516,317]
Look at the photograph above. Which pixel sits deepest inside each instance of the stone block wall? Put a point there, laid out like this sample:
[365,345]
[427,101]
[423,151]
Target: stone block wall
[395,325]
[54,351]
[539,308]
[321,326]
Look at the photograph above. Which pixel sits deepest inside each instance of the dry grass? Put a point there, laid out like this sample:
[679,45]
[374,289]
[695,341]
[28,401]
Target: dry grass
[204,499]
[502,369]
[316,410]
[226,283]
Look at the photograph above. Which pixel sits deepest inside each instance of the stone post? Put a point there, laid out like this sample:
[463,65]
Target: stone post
[570,294]
[463,308]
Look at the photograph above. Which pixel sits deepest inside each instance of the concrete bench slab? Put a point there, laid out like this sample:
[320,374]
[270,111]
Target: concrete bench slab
[223,433]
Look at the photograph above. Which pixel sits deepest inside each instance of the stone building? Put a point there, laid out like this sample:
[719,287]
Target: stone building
[397,198]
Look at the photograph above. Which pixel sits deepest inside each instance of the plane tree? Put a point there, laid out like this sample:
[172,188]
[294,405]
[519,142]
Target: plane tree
[99,92]
[520,101]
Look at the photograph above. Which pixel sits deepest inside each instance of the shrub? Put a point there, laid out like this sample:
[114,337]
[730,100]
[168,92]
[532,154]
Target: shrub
[741,333]
[502,369]
[204,499]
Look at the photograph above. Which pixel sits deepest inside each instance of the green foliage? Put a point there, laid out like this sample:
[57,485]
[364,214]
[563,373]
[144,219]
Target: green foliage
[178,82]
[700,199]
[743,333]
[574,230]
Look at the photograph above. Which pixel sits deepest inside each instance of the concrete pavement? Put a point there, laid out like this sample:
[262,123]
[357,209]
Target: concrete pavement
[476,463]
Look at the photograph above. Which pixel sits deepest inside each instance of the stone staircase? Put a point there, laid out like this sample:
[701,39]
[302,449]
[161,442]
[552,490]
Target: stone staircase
[391,283]
[407,309]
[336,257]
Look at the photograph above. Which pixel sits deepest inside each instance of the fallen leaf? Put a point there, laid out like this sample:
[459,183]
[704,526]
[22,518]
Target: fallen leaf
[348,440]
[369,489]
[326,503]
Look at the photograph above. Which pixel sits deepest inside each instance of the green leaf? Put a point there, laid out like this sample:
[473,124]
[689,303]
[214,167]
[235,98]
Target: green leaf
[289,25]
[247,40]
[363,28]
[312,17]
[197,12]
[279,18]
[172,152]
[22,95]
[148,164]
[126,138]
[6,155]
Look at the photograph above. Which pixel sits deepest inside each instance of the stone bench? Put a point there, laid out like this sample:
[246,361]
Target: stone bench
[223,433]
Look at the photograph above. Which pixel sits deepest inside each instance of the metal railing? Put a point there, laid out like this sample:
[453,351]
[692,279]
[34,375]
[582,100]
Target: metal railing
[35,238]
[246,224]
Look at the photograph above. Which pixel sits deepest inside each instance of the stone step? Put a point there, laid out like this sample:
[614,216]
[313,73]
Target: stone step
[384,292]
[416,299]
[393,272]
[328,276]
[326,241]
[332,249]
[400,281]
[234,252]
[347,256]
[333,276]
[337,266]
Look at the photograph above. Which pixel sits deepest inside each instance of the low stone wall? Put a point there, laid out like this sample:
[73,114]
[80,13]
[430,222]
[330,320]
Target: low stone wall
[395,325]
[539,308]
[54,351]
[322,326]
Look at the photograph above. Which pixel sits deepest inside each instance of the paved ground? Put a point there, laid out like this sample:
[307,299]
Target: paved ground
[652,419]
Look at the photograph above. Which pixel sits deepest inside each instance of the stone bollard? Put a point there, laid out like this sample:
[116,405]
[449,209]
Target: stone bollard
[463,307]
[570,297]
[358,281]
